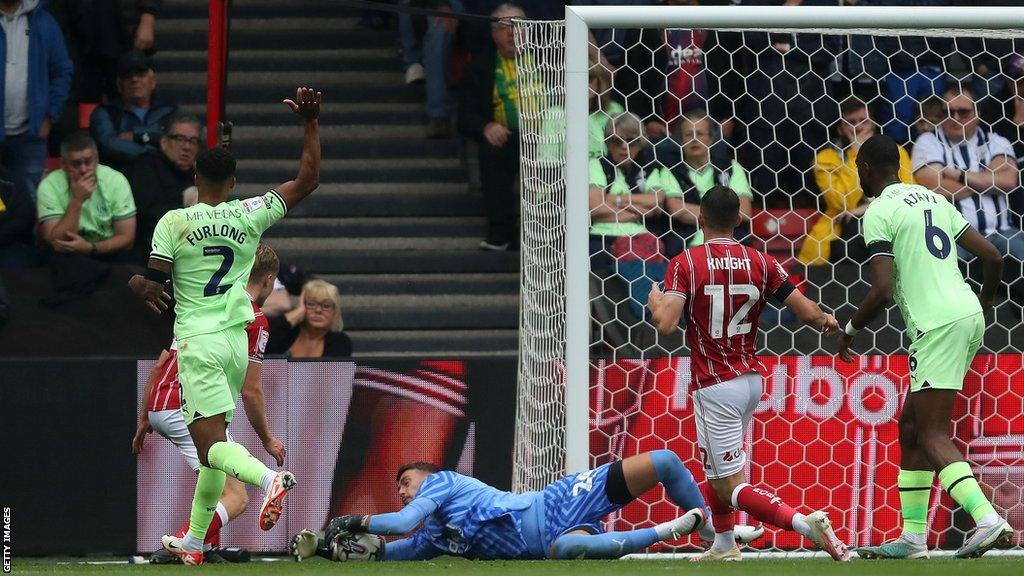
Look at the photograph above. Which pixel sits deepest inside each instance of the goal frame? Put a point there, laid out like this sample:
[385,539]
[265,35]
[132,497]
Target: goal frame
[578,22]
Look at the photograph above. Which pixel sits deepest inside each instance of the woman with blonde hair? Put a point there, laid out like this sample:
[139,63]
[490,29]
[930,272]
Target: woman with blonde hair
[314,329]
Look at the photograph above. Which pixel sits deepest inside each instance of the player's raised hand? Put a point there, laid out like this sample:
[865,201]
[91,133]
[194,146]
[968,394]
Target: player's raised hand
[275,448]
[845,340]
[306,103]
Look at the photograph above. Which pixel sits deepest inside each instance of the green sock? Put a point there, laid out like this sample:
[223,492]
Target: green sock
[234,459]
[958,480]
[915,488]
[209,486]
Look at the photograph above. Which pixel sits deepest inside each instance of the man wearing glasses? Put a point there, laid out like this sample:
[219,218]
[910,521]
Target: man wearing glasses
[977,170]
[162,180]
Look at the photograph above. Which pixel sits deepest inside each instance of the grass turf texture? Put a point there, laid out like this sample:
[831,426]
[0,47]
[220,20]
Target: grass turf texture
[457,567]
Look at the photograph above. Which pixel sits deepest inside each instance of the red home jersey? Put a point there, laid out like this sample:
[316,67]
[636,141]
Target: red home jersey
[725,284]
[166,394]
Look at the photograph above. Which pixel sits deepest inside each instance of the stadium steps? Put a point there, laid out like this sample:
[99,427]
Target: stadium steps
[394,223]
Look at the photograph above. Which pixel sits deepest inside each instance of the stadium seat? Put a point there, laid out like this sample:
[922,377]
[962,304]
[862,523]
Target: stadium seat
[780,232]
[85,113]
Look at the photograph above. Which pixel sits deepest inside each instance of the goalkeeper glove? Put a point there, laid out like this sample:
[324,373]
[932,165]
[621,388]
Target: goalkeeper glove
[350,523]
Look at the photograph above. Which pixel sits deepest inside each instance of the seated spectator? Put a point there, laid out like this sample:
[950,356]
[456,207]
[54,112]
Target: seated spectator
[1005,114]
[160,178]
[426,47]
[17,218]
[314,329]
[686,182]
[489,113]
[86,208]
[977,170]
[35,81]
[623,192]
[835,171]
[551,147]
[933,112]
[127,126]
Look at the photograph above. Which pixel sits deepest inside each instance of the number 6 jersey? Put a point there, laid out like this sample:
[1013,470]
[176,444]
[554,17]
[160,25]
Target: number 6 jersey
[211,249]
[725,284]
[919,229]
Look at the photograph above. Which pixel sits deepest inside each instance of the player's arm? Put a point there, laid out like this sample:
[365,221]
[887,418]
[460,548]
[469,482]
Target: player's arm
[877,297]
[401,522]
[991,264]
[808,311]
[410,549]
[307,105]
[256,411]
[666,309]
[147,392]
[935,177]
[150,287]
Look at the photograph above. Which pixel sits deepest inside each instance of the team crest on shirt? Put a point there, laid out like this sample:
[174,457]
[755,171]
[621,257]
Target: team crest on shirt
[252,204]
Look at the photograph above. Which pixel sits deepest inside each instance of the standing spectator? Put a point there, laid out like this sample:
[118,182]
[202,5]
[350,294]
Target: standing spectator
[835,172]
[36,81]
[977,170]
[127,126]
[684,71]
[160,179]
[685,183]
[426,47]
[489,113]
[17,217]
[602,107]
[86,208]
[314,328]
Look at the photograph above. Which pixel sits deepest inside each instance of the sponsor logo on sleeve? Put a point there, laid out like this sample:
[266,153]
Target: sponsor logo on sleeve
[252,204]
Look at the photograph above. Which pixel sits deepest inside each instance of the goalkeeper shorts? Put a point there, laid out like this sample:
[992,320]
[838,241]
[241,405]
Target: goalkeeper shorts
[940,357]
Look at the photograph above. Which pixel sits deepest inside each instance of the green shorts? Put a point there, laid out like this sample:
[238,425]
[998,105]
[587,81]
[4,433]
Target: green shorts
[941,357]
[211,370]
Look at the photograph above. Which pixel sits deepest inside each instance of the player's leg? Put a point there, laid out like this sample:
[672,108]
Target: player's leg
[645,471]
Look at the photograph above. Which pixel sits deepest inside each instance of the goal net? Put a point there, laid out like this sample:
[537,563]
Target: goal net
[777,114]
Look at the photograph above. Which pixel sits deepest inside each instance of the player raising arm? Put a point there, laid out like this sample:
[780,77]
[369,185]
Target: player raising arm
[721,288]
[910,231]
[207,250]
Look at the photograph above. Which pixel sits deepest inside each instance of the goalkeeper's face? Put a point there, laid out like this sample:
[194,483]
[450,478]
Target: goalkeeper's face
[409,485]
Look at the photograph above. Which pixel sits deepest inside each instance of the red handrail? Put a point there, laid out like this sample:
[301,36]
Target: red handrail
[216,69]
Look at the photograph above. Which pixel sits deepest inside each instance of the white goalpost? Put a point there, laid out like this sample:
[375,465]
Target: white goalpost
[594,385]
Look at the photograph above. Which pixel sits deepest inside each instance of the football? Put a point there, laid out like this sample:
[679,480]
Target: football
[357,547]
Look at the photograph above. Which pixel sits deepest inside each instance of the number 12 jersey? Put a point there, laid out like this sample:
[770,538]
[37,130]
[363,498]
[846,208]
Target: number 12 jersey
[725,285]
[211,249]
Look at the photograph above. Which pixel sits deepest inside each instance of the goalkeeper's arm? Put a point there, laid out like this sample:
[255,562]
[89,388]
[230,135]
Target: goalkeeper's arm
[401,522]
[410,549]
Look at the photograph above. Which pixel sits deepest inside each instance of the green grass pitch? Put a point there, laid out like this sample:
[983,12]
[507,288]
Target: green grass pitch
[996,566]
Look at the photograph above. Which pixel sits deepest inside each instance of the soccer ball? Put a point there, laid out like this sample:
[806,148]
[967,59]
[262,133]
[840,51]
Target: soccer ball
[357,547]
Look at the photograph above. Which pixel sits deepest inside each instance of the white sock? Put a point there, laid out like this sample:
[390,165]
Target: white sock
[191,543]
[800,525]
[988,520]
[707,530]
[223,513]
[915,539]
[268,480]
[724,540]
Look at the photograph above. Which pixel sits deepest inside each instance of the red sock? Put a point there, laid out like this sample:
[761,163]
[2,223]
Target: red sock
[765,506]
[212,533]
[722,514]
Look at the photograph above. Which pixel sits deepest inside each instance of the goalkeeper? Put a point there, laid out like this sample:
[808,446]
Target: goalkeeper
[465,517]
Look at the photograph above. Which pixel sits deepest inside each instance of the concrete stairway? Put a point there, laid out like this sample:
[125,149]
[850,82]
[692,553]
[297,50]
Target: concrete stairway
[394,224]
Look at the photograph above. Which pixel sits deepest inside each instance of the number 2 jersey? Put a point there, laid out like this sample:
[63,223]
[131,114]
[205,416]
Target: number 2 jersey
[166,392]
[919,229]
[211,249]
[725,285]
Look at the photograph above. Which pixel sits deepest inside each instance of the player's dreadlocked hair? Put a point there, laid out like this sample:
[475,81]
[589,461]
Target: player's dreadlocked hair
[215,165]
[720,207]
[266,262]
[424,466]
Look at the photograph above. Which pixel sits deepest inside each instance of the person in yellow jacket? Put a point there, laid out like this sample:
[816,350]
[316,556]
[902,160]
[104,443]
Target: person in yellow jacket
[835,172]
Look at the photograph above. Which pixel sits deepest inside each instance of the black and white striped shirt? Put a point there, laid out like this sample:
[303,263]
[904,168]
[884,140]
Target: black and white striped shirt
[988,213]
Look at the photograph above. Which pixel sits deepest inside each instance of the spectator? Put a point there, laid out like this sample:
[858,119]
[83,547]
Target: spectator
[17,217]
[623,192]
[551,147]
[684,71]
[161,178]
[36,81]
[686,182]
[933,112]
[314,328]
[835,172]
[426,47]
[86,208]
[977,170]
[127,126]
[489,113]
[1006,115]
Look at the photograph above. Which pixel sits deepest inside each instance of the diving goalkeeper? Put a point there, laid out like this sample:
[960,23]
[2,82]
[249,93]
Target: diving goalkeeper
[465,517]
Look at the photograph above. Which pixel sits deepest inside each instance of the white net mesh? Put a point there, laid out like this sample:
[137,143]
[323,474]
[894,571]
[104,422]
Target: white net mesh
[778,116]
